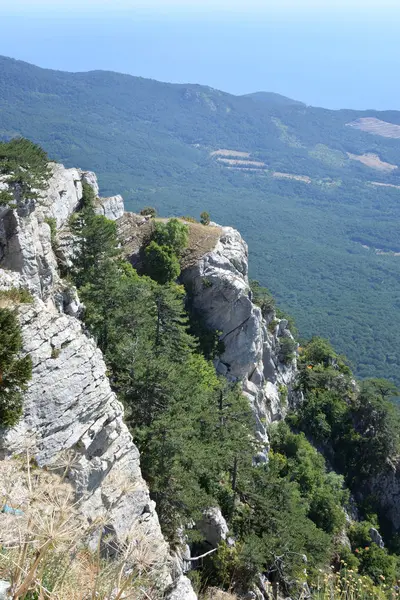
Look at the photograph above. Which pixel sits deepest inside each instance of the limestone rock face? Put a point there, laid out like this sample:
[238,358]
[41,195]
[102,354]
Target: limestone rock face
[213,526]
[386,488]
[25,234]
[181,589]
[69,405]
[112,208]
[91,179]
[220,287]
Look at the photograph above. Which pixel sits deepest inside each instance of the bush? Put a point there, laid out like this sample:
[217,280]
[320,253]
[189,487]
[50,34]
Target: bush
[16,296]
[173,234]
[148,211]
[161,263]
[262,297]
[15,372]
[52,223]
[26,166]
[88,196]
[205,218]
[287,348]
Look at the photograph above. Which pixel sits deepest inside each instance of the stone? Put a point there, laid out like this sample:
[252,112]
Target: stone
[376,537]
[213,526]
[112,208]
[4,587]
[181,589]
[25,236]
[63,195]
[69,405]
[91,178]
[251,351]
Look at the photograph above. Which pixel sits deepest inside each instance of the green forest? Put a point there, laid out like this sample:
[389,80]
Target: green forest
[195,430]
[196,434]
[326,249]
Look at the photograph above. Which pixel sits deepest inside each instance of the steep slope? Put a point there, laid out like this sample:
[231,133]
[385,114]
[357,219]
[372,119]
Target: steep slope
[320,225]
[69,405]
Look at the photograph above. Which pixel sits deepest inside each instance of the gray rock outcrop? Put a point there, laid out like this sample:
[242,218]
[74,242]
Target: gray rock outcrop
[69,406]
[220,288]
[213,526]
[181,588]
[112,208]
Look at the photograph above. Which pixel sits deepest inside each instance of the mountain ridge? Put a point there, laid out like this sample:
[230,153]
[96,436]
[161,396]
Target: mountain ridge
[314,218]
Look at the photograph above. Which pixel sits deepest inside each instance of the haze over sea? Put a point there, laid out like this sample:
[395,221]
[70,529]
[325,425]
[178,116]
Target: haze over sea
[328,53]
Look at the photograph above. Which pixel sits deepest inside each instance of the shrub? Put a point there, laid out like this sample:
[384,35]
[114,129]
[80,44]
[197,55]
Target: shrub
[26,166]
[287,348]
[15,296]
[262,297]
[148,211]
[205,218]
[15,372]
[52,223]
[88,196]
[161,263]
[173,234]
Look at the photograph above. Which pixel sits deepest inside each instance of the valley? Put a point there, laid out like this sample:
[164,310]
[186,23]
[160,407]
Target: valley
[281,172]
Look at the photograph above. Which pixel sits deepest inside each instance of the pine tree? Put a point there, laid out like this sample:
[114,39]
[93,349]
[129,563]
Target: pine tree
[15,372]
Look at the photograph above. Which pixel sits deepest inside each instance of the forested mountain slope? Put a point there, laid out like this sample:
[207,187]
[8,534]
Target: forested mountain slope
[316,199]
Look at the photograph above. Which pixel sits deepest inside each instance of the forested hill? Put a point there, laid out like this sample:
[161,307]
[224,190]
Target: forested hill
[313,191]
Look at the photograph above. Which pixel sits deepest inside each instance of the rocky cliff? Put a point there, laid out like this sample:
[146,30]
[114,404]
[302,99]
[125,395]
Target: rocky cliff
[220,289]
[69,405]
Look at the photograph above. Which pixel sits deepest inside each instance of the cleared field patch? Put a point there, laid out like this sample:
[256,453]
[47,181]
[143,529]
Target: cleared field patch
[232,162]
[373,161]
[389,185]
[303,178]
[233,153]
[376,127]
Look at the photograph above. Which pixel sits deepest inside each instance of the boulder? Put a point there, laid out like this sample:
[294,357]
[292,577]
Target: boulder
[112,208]
[213,526]
[181,589]
[91,178]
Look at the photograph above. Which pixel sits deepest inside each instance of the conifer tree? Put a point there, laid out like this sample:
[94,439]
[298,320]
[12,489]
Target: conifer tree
[15,371]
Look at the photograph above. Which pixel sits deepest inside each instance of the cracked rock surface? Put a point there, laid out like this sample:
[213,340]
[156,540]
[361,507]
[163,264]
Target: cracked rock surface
[221,293]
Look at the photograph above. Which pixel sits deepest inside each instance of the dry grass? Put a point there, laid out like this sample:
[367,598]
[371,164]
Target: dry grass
[202,239]
[135,233]
[347,585]
[44,542]
[14,296]
[373,161]
[376,127]
[213,593]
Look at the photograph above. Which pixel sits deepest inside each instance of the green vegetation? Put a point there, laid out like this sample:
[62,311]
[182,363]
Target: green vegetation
[24,167]
[361,427]
[148,211]
[15,371]
[205,218]
[306,240]
[262,297]
[195,430]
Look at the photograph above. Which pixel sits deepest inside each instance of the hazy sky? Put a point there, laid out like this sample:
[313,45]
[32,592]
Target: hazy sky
[333,53]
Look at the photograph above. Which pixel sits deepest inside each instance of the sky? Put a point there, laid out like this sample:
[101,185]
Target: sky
[330,53]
